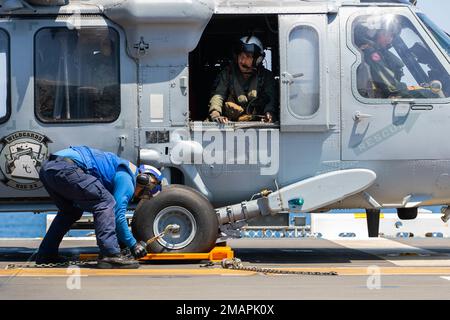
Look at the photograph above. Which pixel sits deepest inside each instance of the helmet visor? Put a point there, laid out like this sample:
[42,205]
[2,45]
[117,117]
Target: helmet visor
[250,48]
[147,185]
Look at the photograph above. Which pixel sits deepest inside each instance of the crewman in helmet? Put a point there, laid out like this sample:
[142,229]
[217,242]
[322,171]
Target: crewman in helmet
[386,69]
[245,90]
[82,179]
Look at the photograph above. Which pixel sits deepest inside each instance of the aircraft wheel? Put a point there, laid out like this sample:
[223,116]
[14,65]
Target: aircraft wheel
[182,206]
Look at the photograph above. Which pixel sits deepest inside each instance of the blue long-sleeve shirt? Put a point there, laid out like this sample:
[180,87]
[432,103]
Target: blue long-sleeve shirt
[123,193]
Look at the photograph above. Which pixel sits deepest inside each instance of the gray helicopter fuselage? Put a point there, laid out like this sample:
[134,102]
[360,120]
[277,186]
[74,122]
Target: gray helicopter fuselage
[152,106]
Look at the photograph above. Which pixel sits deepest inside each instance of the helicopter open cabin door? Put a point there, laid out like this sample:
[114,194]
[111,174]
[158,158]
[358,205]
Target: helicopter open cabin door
[395,87]
[69,82]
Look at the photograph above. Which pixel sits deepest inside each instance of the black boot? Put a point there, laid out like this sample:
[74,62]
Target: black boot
[118,261]
[42,258]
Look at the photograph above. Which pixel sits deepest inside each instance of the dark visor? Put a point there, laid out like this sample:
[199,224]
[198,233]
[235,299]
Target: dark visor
[250,48]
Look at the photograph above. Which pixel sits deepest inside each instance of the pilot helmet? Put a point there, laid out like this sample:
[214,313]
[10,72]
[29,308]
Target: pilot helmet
[390,24]
[377,23]
[251,44]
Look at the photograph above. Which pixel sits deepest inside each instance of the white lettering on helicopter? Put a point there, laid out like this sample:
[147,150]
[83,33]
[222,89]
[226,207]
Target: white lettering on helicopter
[233,147]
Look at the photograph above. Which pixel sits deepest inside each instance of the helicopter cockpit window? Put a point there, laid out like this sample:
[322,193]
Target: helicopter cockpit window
[4,78]
[77,75]
[441,36]
[395,60]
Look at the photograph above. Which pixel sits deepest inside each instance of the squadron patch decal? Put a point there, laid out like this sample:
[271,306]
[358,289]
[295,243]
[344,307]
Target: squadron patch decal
[21,159]
[376,57]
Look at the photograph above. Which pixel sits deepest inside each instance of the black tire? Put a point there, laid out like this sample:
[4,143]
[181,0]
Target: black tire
[407,213]
[167,204]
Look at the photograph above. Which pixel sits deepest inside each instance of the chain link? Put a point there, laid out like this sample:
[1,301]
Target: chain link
[236,264]
[50,265]
[233,264]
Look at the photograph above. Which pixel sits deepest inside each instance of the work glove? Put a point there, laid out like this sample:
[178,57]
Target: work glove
[245,118]
[139,250]
[268,117]
[232,111]
[126,252]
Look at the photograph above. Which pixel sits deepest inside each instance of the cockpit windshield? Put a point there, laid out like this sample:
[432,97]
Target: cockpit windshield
[397,62]
[441,36]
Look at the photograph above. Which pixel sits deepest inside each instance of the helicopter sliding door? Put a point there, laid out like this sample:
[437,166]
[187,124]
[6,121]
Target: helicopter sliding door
[304,73]
[71,84]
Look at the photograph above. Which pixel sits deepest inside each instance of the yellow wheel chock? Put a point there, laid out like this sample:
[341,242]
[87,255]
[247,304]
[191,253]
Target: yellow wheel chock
[215,255]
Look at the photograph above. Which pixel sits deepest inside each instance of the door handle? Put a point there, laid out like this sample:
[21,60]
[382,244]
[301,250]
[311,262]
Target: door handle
[289,78]
[358,116]
[122,142]
[422,107]
[406,104]
[402,107]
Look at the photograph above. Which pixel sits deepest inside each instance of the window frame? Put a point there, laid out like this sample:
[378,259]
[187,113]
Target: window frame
[359,59]
[75,121]
[7,116]
[320,70]
[320,75]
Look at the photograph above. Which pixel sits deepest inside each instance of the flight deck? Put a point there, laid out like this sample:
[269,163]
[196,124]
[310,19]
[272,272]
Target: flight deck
[366,269]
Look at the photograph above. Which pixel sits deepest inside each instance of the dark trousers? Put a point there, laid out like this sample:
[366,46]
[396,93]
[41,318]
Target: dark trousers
[74,192]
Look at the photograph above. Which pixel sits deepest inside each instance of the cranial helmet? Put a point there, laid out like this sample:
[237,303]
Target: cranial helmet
[386,22]
[150,179]
[253,45]
[392,24]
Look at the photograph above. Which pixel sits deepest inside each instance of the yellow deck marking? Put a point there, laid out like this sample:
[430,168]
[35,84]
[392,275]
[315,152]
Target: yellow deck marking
[399,254]
[342,271]
[364,216]
[44,272]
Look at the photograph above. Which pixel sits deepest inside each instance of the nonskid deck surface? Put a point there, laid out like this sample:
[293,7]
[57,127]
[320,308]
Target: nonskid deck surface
[371,268]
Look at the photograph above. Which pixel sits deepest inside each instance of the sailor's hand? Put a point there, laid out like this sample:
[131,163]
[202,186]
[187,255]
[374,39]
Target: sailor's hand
[268,117]
[217,117]
[139,250]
